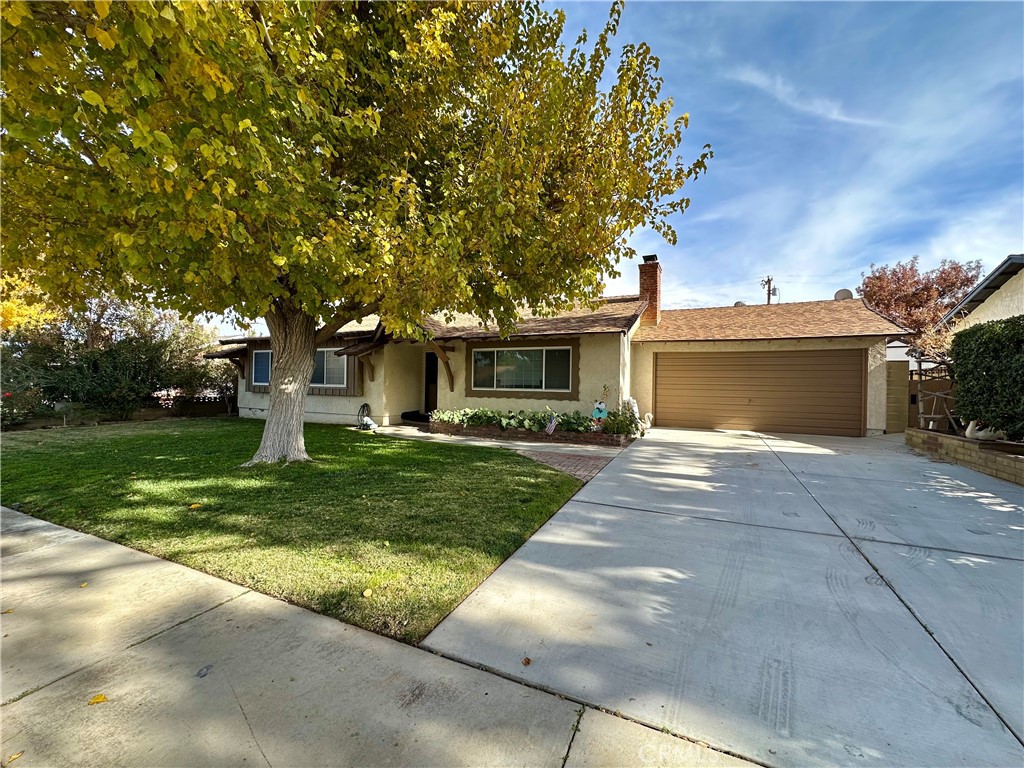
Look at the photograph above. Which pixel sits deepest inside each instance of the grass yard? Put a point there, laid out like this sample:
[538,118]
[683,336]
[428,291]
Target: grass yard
[420,524]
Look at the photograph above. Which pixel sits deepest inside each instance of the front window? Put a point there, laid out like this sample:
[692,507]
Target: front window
[545,369]
[261,359]
[329,370]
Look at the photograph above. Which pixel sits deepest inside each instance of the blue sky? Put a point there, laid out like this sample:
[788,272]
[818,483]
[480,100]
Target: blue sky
[844,134]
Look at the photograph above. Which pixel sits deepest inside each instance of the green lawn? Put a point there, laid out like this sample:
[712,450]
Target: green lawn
[420,524]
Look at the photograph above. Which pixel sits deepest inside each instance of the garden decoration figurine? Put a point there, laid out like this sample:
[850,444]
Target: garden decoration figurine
[599,414]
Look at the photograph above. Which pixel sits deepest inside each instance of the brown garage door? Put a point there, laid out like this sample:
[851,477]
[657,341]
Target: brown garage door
[817,393]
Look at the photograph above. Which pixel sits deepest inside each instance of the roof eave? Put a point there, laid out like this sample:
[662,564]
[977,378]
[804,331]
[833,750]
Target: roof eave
[1011,265]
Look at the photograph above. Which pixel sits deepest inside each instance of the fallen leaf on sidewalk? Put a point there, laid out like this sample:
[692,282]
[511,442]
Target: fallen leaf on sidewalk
[99,698]
[9,610]
[14,757]
[83,585]
[527,661]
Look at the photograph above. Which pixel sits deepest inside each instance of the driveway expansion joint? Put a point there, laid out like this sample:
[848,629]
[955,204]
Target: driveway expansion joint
[904,603]
[572,734]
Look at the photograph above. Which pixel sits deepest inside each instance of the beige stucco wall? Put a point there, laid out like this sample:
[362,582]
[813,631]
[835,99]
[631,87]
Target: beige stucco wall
[1008,301]
[601,364]
[396,388]
[642,385]
[402,371]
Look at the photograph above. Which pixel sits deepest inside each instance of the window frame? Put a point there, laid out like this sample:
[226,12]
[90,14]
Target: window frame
[544,372]
[270,368]
[344,368]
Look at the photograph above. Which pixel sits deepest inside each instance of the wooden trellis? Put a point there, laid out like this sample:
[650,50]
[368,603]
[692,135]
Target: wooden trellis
[935,403]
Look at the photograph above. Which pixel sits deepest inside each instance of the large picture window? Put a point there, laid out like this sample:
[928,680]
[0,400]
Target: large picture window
[329,370]
[261,359]
[546,369]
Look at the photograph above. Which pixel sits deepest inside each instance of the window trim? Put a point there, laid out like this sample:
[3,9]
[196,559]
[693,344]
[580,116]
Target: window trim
[543,370]
[344,368]
[572,343]
[270,368]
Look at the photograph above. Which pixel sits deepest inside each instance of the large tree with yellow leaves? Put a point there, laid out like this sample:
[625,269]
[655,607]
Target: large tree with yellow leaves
[315,163]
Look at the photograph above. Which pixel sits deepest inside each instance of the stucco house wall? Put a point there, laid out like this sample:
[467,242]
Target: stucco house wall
[396,388]
[642,365]
[602,359]
[1008,301]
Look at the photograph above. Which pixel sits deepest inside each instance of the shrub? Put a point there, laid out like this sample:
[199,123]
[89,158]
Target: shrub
[575,422]
[534,421]
[19,405]
[623,422]
[988,367]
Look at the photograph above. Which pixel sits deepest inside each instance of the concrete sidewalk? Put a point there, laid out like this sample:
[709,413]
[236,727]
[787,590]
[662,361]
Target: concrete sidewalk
[197,671]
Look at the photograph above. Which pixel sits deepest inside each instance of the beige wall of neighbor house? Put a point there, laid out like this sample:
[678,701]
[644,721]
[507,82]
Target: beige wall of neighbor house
[897,385]
[602,359]
[642,386]
[1008,301]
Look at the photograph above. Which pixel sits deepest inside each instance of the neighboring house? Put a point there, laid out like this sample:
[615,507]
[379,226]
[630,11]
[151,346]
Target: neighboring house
[813,367]
[999,296]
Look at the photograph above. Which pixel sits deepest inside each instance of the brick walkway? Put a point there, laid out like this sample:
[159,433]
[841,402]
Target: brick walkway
[577,465]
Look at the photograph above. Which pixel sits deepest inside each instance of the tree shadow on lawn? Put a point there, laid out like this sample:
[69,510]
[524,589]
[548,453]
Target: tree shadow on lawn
[417,524]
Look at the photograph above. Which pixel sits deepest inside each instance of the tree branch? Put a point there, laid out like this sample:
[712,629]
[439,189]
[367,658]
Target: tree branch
[256,14]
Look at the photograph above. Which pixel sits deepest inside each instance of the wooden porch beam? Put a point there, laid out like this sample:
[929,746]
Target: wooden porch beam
[368,364]
[443,357]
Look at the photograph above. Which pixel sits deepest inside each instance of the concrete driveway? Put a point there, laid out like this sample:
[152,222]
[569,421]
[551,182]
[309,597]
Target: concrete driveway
[791,600]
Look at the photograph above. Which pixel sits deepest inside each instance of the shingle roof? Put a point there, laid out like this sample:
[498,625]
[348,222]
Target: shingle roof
[800,320]
[616,314]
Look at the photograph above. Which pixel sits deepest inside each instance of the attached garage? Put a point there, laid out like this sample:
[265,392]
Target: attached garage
[814,367]
[819,392]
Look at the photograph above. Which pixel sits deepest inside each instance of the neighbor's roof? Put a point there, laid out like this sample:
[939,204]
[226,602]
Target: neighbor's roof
[995,280]
[615,314]
[800,320]
[226,352]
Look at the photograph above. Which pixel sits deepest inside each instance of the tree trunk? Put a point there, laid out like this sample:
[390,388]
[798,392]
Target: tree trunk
[293,343]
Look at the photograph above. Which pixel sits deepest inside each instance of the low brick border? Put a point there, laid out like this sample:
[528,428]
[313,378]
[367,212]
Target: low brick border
[497,433]
[974,454]
[578,465]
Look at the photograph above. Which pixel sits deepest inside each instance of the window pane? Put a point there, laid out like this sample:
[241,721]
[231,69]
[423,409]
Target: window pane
[261,367]
[318,368]
[335,368]
[519,369]
[483,370]
[556,369]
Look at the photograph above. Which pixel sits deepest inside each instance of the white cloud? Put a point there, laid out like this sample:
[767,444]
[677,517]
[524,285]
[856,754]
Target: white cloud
[991,232]
[794,98]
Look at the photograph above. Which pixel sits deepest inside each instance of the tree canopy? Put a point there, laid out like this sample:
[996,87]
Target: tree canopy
[313,163]
[919,300]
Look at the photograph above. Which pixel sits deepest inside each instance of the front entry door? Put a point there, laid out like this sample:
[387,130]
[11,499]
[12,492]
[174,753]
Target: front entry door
[430,383]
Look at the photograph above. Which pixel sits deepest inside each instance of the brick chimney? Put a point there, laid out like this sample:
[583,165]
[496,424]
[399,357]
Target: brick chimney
[650,289]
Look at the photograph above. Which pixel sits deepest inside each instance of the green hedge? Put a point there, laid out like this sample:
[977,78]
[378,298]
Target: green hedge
[988,367]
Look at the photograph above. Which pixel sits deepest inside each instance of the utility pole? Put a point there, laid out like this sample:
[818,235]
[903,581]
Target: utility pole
[767,284]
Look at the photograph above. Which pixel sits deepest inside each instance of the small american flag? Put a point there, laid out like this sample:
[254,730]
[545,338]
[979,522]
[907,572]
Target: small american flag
[551,424]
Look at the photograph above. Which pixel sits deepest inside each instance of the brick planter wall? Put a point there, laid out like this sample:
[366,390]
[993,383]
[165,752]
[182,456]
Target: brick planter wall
[975,454]
[582,438]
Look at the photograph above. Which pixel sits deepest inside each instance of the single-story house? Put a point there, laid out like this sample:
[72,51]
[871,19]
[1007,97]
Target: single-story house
[998,296]
[813,367]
